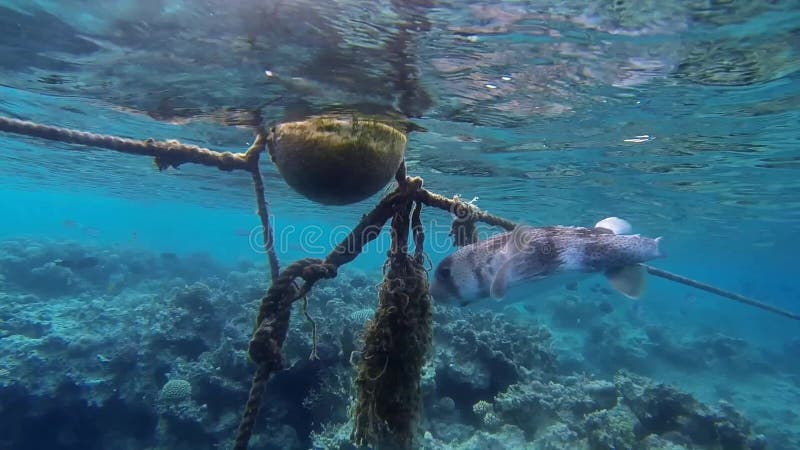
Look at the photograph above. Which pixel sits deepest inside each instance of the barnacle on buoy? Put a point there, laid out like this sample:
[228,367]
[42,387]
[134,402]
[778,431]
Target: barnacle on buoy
[337,160]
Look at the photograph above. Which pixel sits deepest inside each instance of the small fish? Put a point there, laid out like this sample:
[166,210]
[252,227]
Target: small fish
[550,257]
[79,263]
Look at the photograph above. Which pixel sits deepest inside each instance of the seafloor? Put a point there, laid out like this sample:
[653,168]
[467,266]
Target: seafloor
[123,349]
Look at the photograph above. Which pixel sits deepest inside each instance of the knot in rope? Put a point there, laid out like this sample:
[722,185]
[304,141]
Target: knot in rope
[464,211]
[409,186]
[318,271]
[273,316]
[294,270]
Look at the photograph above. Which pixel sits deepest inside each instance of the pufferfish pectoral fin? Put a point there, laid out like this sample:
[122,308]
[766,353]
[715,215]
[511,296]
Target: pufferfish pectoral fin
[630,281]
[500,280]
[511,252]
[515,268]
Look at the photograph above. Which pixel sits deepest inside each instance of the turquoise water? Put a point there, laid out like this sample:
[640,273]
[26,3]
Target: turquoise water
[680,117]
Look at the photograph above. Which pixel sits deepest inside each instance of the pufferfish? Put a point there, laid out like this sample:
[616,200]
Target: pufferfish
[544,257]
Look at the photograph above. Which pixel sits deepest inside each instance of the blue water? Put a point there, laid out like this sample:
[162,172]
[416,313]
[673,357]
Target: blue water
[681,117]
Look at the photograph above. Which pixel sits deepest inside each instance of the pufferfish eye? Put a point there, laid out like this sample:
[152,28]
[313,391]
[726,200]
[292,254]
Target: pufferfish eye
[443,272]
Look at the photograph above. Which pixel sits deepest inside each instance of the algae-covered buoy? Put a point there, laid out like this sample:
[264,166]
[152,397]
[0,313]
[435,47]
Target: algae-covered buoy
[335,160]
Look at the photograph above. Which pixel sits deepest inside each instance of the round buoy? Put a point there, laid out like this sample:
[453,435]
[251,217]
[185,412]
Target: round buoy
[334,160]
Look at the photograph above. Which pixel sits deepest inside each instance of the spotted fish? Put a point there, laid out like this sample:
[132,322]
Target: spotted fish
[544,257]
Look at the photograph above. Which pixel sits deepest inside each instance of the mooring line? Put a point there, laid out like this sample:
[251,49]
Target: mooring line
[721,292]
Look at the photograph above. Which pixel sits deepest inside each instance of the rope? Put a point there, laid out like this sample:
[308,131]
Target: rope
[722,293]
[166,153]
[418,232]
[252,156]
[257,388]
[367,230]
[455,206]
[270,332]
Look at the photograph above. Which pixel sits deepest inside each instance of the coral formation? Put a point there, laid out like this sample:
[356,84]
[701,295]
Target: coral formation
[482,408]
[610,429]
[175,391]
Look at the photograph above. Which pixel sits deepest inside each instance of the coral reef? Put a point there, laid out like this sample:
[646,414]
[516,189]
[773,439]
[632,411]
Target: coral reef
[149,351]
[665,411]
[480,354]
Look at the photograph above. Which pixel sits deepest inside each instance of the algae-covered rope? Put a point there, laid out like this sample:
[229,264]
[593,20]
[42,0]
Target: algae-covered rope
[396,341]
[272,323]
